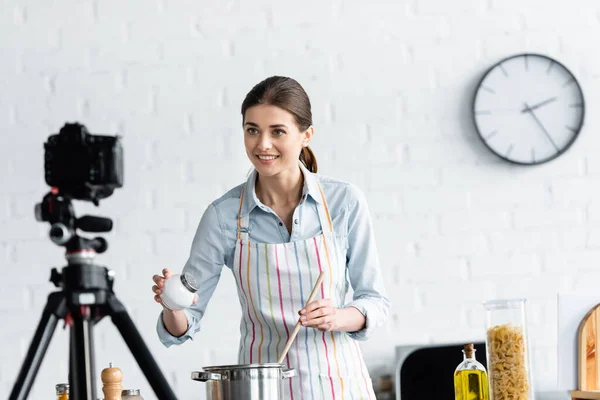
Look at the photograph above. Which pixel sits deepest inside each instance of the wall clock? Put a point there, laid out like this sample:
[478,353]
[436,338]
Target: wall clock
[528,109]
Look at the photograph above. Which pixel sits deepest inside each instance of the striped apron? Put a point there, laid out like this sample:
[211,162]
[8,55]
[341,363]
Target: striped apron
[273,283]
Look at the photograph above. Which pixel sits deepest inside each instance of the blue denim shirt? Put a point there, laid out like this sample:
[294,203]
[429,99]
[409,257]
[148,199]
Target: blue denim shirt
[214,245]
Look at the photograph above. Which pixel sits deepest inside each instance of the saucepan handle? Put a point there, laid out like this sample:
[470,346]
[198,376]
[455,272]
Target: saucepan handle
[288,373]
[206,376]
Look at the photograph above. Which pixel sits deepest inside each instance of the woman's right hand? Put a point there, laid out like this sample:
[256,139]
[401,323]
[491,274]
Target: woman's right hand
[175,322]
[159,283]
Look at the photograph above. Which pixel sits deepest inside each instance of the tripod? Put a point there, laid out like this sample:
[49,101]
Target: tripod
[86,297]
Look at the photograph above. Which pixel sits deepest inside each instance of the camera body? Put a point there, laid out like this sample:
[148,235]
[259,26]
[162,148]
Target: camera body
[82,165]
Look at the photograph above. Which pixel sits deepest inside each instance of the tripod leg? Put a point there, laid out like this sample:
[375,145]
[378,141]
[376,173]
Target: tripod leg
[138,348]
[56,308]
[81,379]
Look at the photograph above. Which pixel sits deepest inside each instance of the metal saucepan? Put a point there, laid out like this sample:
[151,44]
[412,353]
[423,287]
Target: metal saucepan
[245,381]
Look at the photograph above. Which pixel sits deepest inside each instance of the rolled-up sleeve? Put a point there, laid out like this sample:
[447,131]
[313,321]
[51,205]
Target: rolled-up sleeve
[205,263]
[364,270]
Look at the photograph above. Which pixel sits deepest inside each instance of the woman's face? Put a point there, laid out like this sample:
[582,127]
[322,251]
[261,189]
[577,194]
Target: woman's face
[272,139]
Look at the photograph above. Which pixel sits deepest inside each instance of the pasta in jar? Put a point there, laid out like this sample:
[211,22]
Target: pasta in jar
[507,363]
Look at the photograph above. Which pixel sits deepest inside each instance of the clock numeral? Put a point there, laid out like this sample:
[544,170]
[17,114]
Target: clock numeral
[503,70]
[483,112]
[488,89]
[526,59]
[509,150]
[532,155]
[550,66]
[576,105]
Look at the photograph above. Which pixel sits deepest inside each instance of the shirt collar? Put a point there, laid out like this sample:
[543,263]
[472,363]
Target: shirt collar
[250,201]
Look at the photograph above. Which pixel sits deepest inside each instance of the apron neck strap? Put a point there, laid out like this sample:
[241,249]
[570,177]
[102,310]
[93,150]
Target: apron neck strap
[323,210]
[243,222]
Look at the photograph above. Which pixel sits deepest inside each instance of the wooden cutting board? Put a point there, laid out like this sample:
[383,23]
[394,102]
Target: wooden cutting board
[588,342]
[584,395]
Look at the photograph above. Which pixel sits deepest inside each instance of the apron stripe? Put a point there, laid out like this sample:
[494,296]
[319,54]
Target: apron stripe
[312,389]
[331,278]
[262,336]
[271,303]
[324,340]
[287,356]
[292,308]
[261,307]
[347,351]
[254,309]
[362,371]
[310,269]
[281,299]
[355,362]
[337,363]
[247,303]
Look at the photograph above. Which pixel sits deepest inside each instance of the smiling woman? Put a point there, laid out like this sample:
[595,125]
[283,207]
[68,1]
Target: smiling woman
[276,145]
[277,232]
[283,101]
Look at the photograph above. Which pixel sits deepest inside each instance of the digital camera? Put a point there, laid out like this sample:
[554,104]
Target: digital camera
[82,165]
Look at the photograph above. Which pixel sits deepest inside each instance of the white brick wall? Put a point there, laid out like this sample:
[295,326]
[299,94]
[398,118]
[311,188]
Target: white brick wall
[391,86]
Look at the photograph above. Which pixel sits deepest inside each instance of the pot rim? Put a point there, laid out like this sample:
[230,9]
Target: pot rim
[216,368]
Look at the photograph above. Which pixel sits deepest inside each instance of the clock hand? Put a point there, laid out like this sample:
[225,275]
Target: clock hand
[530,110]
[538,105]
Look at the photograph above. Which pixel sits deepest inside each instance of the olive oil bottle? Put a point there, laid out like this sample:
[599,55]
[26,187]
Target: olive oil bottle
[470,377]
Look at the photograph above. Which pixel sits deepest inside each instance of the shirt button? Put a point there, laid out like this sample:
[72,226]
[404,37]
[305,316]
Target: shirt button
[296,221]
[280,223]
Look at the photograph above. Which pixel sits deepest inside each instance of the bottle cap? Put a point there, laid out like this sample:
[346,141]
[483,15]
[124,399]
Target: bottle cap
[469,349]
[131,392]
[62,388]
[189,282]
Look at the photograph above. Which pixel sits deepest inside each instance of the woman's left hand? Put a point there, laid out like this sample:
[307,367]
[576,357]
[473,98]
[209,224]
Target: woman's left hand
[320,314]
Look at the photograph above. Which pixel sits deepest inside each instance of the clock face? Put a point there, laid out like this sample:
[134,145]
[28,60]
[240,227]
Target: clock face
[528,109]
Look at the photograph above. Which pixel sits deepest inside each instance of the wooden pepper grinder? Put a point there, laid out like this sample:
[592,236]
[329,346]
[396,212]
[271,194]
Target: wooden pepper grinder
[112,386]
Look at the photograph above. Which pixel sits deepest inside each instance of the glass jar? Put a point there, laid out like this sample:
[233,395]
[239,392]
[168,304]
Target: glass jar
[507,349]
[178,291]
[62,391]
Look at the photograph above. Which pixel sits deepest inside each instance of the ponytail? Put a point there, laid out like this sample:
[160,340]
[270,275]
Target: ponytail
[307,157]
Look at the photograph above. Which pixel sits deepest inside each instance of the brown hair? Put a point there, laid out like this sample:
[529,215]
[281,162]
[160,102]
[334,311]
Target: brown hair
[287,94]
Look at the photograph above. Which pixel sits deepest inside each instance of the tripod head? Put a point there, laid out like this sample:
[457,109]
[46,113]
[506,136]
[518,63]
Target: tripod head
[58,210]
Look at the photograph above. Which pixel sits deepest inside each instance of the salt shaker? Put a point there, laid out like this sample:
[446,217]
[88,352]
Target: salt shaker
[178,291]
